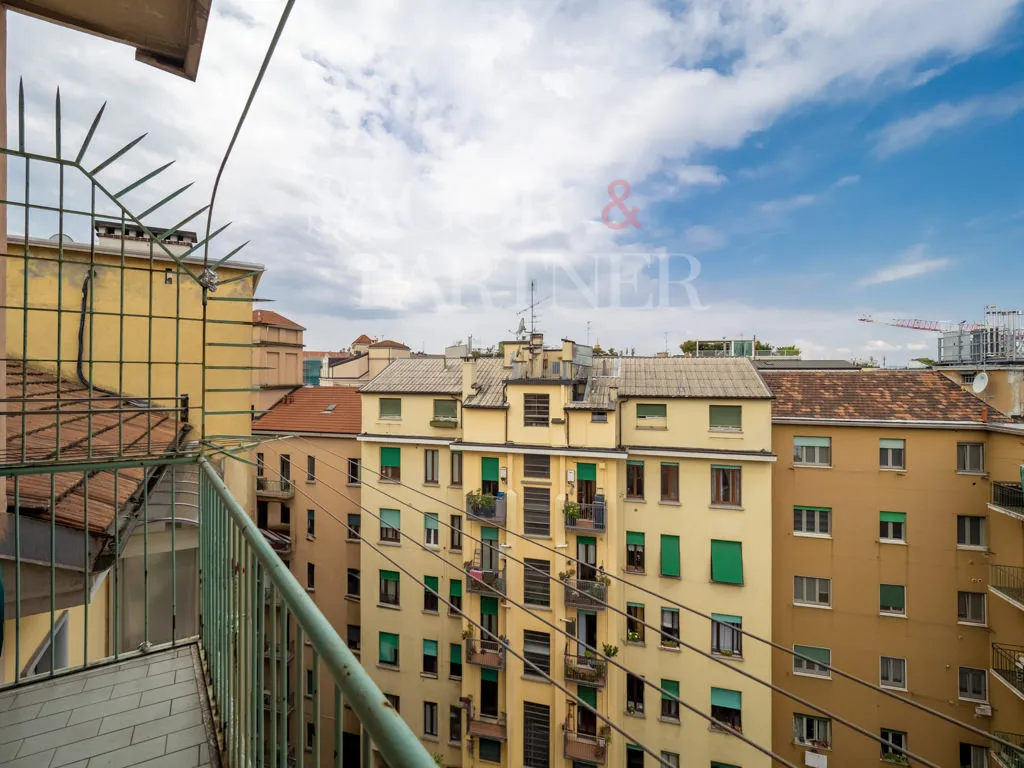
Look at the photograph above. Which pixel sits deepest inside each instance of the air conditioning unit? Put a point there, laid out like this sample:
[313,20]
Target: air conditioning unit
[983,710]
[815,760]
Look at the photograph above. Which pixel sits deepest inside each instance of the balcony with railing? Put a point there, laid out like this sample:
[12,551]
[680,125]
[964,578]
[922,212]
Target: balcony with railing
[485,653]
[490,581]
[584,747]
[485,508]
[280,489]
[585,517]
[1008,757]
[586,669]
[1007,581]
[487,726]
[1008,666]
[581,593]
[1007,498]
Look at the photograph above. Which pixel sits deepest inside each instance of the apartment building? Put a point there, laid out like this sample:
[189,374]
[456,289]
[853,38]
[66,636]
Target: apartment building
[277,359]
[655,470]
[365,360]
[897,549]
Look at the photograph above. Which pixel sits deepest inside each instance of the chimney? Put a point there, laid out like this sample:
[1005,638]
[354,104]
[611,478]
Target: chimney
[984,414]
[468,377]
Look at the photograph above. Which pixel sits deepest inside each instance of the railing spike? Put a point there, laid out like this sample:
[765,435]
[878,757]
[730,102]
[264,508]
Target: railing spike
[232,253]
[117,154]
[164,235]
[143,180]
[167,199]
[89,135]
[21,115]
[57,124]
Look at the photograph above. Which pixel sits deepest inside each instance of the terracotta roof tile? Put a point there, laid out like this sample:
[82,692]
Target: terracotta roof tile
[267,317]
[363,339]
[315,355]
[878,395]
[309,410]
[387,344]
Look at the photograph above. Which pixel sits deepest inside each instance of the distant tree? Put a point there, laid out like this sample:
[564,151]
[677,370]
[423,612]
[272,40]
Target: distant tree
[688,347]
[611,351]
[790,349]
[925,360]
[763,346]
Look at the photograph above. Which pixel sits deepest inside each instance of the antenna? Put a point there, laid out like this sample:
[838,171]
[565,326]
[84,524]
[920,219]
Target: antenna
[980,383]
[532,309]
[588,333]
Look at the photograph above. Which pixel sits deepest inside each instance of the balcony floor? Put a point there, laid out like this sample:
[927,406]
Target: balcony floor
[148,712]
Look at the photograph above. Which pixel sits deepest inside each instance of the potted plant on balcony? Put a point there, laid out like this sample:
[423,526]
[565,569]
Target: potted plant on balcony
[633,637]
[467,633]
[897,758]
[568,574]
[611,651]
[572,511]
[482,504]
[605,579]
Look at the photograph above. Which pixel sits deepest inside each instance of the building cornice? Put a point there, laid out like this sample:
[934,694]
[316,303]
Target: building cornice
[538,450]
[890,423]
[404,439]
[702,453]
[299,432]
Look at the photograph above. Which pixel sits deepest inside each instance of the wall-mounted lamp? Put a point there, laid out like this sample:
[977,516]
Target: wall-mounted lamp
[503,474]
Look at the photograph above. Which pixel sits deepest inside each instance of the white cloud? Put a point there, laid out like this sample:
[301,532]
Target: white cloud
[911,263]
[787,204]
[917,347]
[693,175]
[846,181]
[701,238]
[880,345]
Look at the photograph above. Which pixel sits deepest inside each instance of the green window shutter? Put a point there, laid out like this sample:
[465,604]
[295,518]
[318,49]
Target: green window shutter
[388,645]
[488,533]
[586,541]
[670,686]
[723,697]
[722,765]
[390,575]
[885,443]
[813,442]
[893,517]
[391,518]
[894,595]
[489,748]
[455,653]
[489,675]
[431,521]
[635,537]
[431,582]
[730,416]
[727,562]
[489,469]
[587,694]
[820,655]
[632,463]
[455,588]
[726,466]
[634,605]
[725,618]
[586,471]
[390,457]
[669,555]
[489,606]
[650,410]
[430,647]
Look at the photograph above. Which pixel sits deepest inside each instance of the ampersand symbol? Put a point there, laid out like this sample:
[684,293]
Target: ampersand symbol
[617,202]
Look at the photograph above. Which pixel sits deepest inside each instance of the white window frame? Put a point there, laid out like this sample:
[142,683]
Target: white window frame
[883,663]
[815,514]
[430,717]
[965,696]
[821,727]
[432,536]
[802,453]
[982,530]
[804,668]
[984,608]
[892,539]
[817,591]
[890,737]
[888,465]
[967,449]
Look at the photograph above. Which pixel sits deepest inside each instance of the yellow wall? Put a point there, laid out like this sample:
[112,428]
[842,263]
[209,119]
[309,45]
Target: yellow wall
[692,418]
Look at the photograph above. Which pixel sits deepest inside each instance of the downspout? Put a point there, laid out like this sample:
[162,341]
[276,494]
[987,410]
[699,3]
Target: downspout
[80,366]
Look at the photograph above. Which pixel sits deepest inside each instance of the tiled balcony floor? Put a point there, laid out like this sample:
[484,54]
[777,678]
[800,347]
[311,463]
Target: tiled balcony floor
[149,712]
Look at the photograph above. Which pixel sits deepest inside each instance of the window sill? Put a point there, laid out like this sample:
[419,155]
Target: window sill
[811,745]
[892,688]
[812,466]
[803,535]
[352,539]
[670,503]
[971,701]
[671,576]
[972,474]
[672,648]
[453,485]
[979,624]
[533,678]
[455,744]
[897,542]
[634,571]
[897,470]
[311,590]
[457,678]
[311,482]
[725,432]
[972,548]
[431,739]
[636,500]
[638,714]
[893,615]
[388,607]
[727,583]
[428,675]
[389,481]
[537,480]
[725,506]
[727,656]
[389,543]
[812,605]
[653,427]
[352,598]
[430,613]
[669,720]
[455,550]
[390,667]
[353,485]
[636,643]
[432,547]
[812,675]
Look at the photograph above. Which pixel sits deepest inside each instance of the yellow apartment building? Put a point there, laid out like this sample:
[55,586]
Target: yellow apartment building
[366,358]
[655,470]
[897,550]
[276,358]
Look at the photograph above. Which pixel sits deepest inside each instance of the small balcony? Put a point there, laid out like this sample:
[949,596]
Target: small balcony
[580,593]
[487,727]
[1007,581]
[282,545]
[485,653]
[1007,498]
[1008,666]
[269,702]
[585,517]
[586,669]
[584,747]
[485,581]
[485,508]
[1004,756]
[284,652]
[266,488]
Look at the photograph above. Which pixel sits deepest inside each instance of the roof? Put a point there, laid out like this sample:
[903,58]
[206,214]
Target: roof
[363,339]
[143,433]
[387,344]
[875,395]
[315,355]
[267,317]
[441,376]
[806,365]
[308,409]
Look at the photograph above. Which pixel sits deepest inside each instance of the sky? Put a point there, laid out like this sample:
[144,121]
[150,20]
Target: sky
[407,170]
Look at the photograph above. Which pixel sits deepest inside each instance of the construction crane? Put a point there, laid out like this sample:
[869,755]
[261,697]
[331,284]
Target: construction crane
[935,326]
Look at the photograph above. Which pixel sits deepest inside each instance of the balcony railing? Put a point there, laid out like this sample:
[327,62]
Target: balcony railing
[1008,665]
[485,581]
[581,746]
[585,517]
[1008,498]
[485,653]
[1008,581]
[580,593]
[487,727]
[1005,756]
[274,489]
[586,669]
[486,508]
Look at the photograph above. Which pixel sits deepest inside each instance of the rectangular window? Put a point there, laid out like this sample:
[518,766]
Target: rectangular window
[727,562]
[394,701]
[354,524]
[635,560]
[454,597]
[310,684]
[353,637]
[430,657]
[893,672]
[490,474]
[457,469]
[669,555]
[726,486]
[670,705]
[446,412]
[391,463]
[311,469]
[970,458]
[892,599]
[725,418]
[431,466]
[651,414]
[388,649]
[670,627]
[808,590]
[430,718]
[973,756]
[286,471]
[970,607]
[390,583]
[536,410]
[599,417]
[537,465]
[634,694]
[813,665]
[536,511]
[431,534]
[390,525]
[892,526]
[973,684]
[352,582]
[490,750]
[892,454]
[537,649]
[391,408]
[259,465]
[536,735]
[310,736]
[970,531]
[727,707]
[635,622]
[812,451]
[310,576]
[726,635]
[811,731]
[634,757]
[354,474]
[894,750]
[455,661]
[812,521]
[286,515]
[669,482]
[536,584]
[310,522]
[671,758]
[634,479]
[456,533]
[454,725]
[430,594]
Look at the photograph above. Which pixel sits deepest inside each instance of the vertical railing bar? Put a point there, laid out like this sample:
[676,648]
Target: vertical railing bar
[300,698]
[366,748]
[60,280]
[149,356]
[174,558]
[87,570]
[283,685]
[17,574]
[53,572]
[120,338]
[237,655]
[229,616]
[261,618]
[91,287]
[317,730]
[273,675]
[339,723]
[117,572]
[145,557]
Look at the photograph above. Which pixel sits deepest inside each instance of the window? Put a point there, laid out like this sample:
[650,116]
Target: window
[286,515]
[310,736]
[635,622]
[892,526]
[812,521]
[353,525]
[430,718]
[430,657]
[970,607]
[454,725]
[725,418]
[457,469]
[455,661]
[812,451]
[893,673]
[536,465]
[454,597]
[352,584]
[727,707]
[970,458]
[536,735]
[536,584]
[973,684]
[391,463]
[394,701]
[259,465]
[669,482]
[310,522]
[817,662]
[726,635]
[537,649]
[670,628]
[388,650]
[669,555]
[310,576]
[972,756]
[536,511]
[634,694]
[446,412]
[892,599]
[354,473]
[390,525]
[599,417]
[311,469]
[390,583]
[970,531]
[669,705]
[892,454]
[391,407]
[812,731]
[353,637]
[490,474]
[651,414]
[727,562]
[726,486]
[634,757]
[490,750]
[431,466]
[808,590]
[310,684]
[895,747]
[456,533]
[634,479]
[536,410]
[286,471]
[635,551]
[430,593]
[431,535]
[672,758]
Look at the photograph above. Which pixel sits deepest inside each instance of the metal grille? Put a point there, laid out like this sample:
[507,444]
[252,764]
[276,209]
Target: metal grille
[536,735]
[536,585]
[535,410]
[537,465]
[536,511]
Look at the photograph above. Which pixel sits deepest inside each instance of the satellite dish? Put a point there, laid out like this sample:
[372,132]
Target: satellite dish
[980,383]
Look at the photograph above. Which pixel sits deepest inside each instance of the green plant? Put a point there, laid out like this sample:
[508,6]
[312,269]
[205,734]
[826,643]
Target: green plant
[605,579]
[438,759]
[572,510]
[568,573]
[611,651]
[481,502]
[897,758]
[633,637]
[467,633]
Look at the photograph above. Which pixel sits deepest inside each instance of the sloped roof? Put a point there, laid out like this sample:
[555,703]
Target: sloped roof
[876,395]
[315,355]
[806,365]
[363,339]
[308,409]
[267,317]
[387,344]
[437,375]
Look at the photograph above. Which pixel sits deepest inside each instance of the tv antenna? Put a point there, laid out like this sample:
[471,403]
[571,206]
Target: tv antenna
[532,309]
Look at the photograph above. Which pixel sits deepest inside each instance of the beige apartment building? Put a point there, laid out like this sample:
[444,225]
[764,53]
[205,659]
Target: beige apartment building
[897,550]
[366,358]
[276,358]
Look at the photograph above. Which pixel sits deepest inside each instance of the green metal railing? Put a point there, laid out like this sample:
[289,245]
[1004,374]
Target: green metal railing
[1008,665]
[1007,757]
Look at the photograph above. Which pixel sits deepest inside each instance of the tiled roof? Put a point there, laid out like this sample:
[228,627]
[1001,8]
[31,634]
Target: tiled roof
[308,409]
[363,339]
[267,317]
[806,365]
[315,355]
[878,395]
[387,344]
[437,375]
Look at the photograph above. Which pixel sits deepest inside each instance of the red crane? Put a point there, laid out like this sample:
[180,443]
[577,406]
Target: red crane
[936,326]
